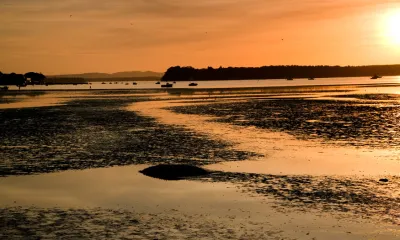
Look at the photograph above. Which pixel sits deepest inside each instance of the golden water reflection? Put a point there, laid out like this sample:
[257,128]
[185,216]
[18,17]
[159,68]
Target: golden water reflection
[195,202]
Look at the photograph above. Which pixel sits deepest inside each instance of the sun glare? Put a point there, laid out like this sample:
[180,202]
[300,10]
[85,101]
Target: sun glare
[393,27]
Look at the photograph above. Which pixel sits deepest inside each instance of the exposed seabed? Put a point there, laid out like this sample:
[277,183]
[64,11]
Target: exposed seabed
[71,163]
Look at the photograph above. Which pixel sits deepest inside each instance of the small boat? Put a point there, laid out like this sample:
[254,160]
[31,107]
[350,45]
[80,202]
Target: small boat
[110,83]
[376,76]
[103,83]
[193,84]
[157,82]
[310,78]
[167,85]
[289,79]
[134,83]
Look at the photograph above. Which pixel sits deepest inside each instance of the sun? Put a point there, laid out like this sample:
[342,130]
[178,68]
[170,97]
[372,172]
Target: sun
[393,27]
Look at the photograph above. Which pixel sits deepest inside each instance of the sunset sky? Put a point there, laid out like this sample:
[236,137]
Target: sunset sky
[74,36]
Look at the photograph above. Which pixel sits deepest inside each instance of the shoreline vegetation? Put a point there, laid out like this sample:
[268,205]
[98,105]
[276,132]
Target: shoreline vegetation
[188,73]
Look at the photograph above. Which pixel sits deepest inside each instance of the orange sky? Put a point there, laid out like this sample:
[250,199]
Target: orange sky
[123,35]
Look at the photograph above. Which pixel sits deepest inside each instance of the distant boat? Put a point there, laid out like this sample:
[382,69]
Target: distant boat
[158,82]
[103,83]
[376,76]
[289,79]
[110,83]
[134,83]
[193,84]
[310,78]
[167,85]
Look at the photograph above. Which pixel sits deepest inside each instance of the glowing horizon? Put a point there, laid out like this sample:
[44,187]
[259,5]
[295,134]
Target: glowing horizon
[71,36]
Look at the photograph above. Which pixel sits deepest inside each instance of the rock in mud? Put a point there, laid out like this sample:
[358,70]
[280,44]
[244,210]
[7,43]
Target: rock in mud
[174,171]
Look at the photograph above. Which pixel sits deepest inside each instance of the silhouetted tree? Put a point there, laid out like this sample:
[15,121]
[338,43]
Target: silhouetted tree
[13,79]
[35,78]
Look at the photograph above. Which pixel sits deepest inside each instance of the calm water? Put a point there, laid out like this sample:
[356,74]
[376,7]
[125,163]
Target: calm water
[223,84]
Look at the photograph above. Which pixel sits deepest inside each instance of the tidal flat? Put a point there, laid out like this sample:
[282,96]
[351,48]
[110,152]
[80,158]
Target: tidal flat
[302,164]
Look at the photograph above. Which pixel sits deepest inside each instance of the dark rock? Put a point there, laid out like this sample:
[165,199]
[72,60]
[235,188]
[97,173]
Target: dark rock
[174,171]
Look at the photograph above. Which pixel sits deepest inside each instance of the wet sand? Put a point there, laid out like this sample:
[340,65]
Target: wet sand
[263,184]
[117,202]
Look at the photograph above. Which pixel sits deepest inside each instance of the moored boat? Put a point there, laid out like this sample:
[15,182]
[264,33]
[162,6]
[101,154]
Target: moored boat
[376,76]
[167,85]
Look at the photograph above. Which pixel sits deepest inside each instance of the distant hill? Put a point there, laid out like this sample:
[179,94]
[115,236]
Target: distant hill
[95,75]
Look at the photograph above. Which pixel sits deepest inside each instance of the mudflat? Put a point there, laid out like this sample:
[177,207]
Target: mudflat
[304,164]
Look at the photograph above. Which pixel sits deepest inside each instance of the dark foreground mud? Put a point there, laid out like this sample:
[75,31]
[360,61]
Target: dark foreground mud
[366,198]
[36,223]
[340,122]
[97,133]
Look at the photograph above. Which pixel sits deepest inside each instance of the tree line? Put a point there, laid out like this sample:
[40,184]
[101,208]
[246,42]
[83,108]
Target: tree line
[179,73]
[22,79]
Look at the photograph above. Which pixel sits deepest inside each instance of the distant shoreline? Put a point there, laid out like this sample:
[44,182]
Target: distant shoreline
[179,73]
[222,89]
